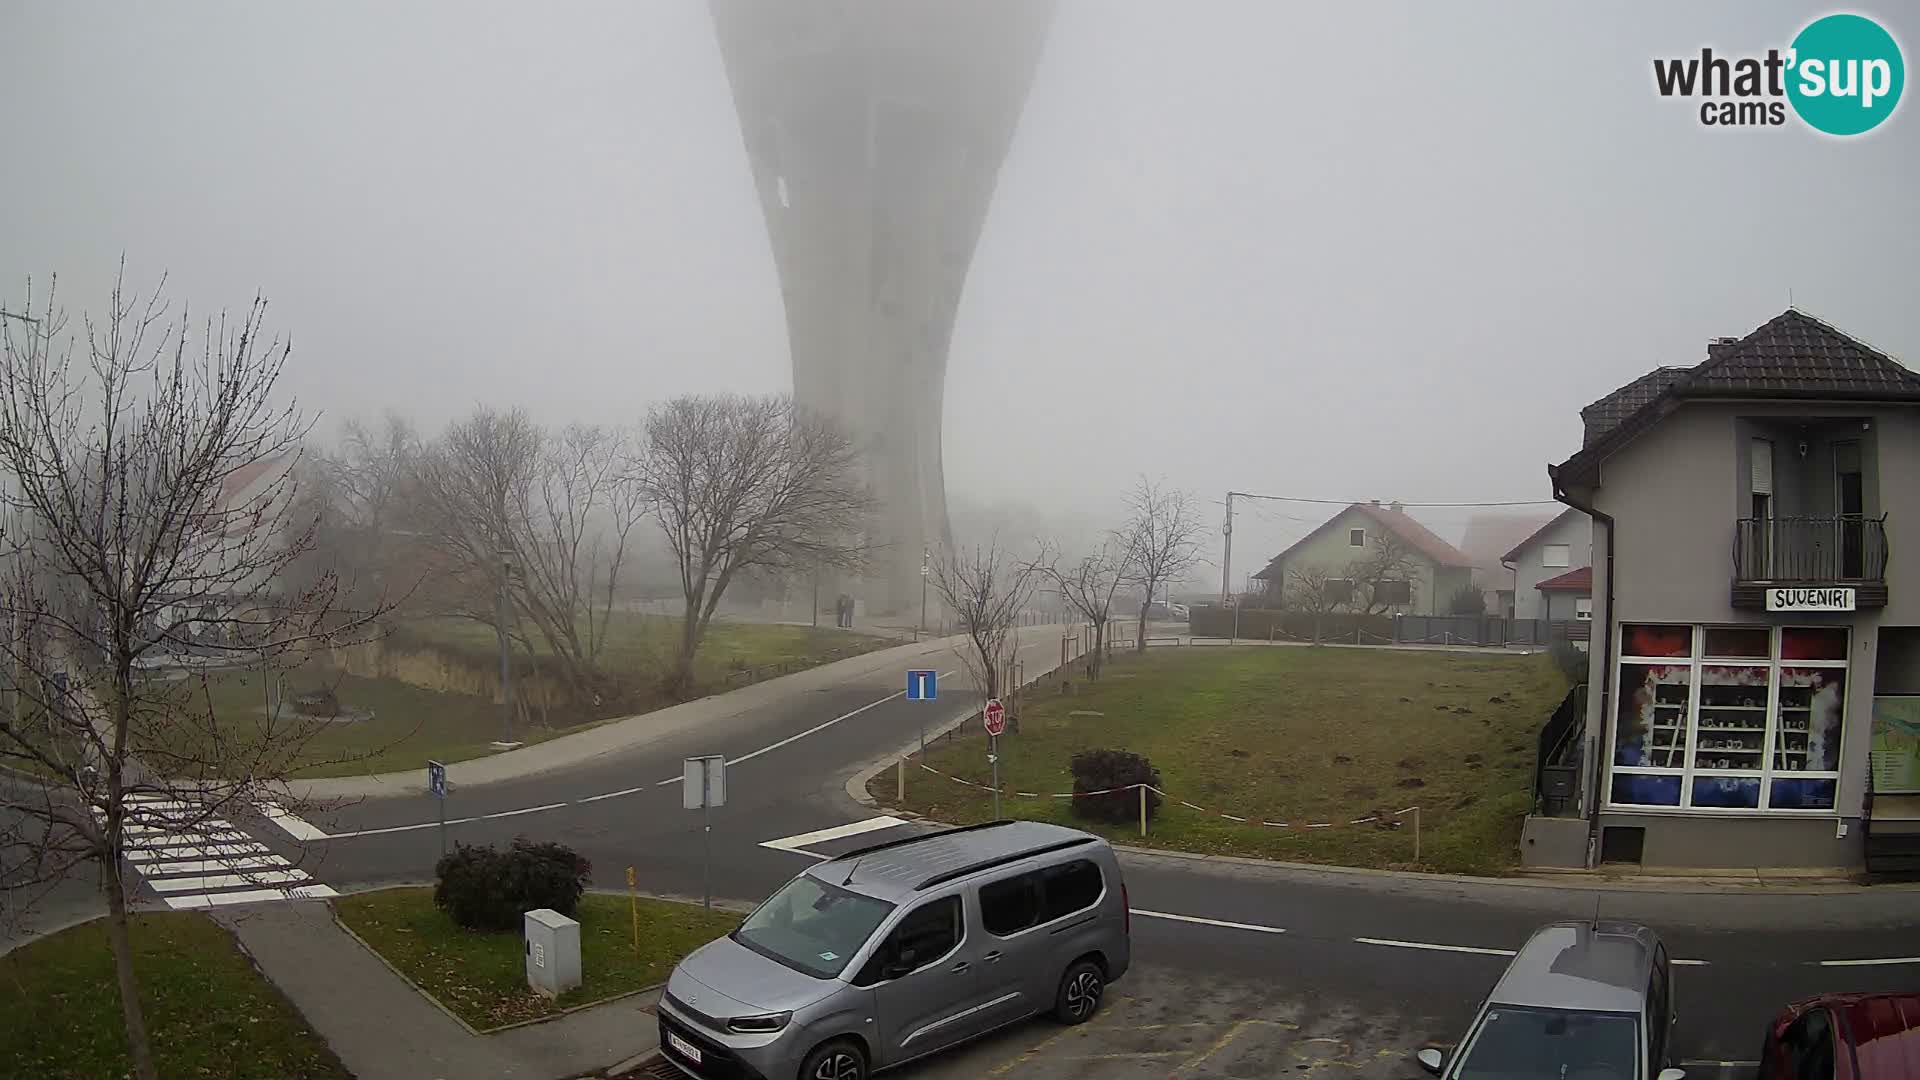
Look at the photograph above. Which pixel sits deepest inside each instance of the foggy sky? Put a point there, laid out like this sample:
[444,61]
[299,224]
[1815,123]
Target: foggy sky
[1316,251]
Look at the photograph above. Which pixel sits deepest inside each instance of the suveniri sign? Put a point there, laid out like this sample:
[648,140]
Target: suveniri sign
[1810,599]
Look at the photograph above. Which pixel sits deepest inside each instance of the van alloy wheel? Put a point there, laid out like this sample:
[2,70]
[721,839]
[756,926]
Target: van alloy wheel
[1083,994]
[839,1065]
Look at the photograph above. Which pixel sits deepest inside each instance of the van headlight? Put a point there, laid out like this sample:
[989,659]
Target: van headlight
[764,1024]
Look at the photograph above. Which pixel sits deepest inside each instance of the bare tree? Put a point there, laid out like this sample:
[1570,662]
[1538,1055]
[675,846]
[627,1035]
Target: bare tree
[985,587]
[360,495]
[1163,531]
[543,516]
[743,484]
[1389,559]
[1087,585]
[1317,592]
[149,514]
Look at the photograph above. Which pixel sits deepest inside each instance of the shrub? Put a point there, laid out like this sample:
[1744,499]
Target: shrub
[485,889]
[1571,658]
[1467,600]
[1103,770]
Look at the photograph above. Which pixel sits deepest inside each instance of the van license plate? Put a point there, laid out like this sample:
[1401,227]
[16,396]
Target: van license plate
[684,1048]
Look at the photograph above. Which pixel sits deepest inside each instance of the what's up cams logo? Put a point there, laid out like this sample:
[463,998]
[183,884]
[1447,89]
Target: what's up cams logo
[1842,75]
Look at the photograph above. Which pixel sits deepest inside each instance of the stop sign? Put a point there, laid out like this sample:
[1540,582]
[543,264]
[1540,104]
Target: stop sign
[995,714]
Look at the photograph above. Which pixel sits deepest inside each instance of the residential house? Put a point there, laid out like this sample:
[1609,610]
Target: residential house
[1756,600]
[1555,552]
[1370,541]
[1567,598]
[1487,539]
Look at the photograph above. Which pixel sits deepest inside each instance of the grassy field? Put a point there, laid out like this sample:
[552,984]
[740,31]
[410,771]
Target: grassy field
[209,1013]
[641,646]
[410,724]
[1284,734]
[482,977]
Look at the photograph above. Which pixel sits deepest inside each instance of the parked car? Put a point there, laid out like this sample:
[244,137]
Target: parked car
[1845,1037]
[1581,1001]
[899,950]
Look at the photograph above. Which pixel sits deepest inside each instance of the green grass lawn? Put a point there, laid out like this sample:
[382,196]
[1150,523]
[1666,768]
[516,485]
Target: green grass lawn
[482,978]
[209,1013]
[641,646]
[408,726]
[1284,734]
[411,724]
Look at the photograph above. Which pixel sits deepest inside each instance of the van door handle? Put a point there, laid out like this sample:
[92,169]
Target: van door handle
[992,957]
[960,967]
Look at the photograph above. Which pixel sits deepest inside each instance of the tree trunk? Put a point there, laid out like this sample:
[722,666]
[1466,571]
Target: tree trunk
[132,1018]
[1140,635]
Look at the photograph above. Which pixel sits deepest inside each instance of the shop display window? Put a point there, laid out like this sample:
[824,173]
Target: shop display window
[1728,717]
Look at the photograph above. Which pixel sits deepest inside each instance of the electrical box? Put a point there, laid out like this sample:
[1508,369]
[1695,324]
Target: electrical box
[553,952]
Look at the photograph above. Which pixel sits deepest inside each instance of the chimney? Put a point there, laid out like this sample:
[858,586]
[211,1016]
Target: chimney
[1720,347]
[1397,507]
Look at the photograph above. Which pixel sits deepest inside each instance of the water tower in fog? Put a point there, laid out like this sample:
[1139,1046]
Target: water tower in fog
[876,129]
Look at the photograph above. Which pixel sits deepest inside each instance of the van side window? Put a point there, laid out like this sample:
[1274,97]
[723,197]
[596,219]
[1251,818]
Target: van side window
[1010,906]
[926,934]
[1069,887]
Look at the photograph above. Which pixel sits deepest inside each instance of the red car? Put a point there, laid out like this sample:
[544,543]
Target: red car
[1845,1037]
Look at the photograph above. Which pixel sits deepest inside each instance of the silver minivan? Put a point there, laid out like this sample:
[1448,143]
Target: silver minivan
[899,950]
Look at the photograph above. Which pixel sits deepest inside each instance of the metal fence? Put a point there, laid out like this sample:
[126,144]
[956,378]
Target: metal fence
[1810,549]
[1489,630]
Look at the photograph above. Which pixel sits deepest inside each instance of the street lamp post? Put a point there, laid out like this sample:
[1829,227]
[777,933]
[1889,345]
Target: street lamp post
[925,554]
[506,663]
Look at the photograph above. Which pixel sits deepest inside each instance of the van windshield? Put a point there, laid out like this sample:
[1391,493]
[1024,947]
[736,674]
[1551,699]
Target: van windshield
[812,926]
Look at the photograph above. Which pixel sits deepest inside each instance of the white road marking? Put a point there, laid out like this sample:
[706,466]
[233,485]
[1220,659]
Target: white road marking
[1171,917]
[295,826]
[226,881]
[398,828]
[1678,962]
[527,810]
[1431,947]
[810,731]
[1882,961]
[837,832]
[613,794]
[204,866]
[252,896]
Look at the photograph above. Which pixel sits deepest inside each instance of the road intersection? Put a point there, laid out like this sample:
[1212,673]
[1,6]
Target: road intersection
[1245,954]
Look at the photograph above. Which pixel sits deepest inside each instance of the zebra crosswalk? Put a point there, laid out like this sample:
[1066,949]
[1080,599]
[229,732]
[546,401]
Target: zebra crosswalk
[195,862]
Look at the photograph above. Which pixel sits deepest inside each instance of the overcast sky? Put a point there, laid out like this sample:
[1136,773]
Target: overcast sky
[1330,251]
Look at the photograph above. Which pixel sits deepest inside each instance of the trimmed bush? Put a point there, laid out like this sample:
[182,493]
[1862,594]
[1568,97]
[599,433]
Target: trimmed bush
[485,889]
[1102,770]
[1571,658]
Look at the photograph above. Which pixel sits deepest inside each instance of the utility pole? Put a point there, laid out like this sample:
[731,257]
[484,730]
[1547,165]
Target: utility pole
[926,553]
[1226,558]
[506,662]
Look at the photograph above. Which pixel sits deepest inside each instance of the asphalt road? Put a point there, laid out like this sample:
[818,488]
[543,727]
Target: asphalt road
[1292,969]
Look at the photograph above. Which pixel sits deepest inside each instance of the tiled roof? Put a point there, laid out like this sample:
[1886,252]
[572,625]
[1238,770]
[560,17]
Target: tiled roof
[1421,538]
[1580,580]
[1489,536]
[1604,415]
[1792,355]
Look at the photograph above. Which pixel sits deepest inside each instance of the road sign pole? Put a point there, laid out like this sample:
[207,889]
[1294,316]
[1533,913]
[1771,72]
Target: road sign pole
[706,856]
[993,755]
[443,825]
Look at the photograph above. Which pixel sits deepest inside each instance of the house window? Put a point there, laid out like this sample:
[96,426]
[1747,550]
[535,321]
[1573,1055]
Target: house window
[1728,718]
[1583,608]
[1356,538]
[1338,591]
[1556,555]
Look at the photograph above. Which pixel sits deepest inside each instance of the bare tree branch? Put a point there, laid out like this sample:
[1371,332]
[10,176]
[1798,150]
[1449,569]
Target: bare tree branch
[986,588]
[1163,531]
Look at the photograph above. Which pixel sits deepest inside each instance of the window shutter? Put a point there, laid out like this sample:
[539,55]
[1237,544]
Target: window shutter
[1762,467]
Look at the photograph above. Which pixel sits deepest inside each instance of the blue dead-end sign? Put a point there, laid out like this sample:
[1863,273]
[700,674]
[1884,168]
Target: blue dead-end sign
[920,686]
[436,780]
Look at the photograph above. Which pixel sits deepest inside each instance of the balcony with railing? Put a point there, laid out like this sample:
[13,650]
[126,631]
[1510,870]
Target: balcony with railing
[1847,551]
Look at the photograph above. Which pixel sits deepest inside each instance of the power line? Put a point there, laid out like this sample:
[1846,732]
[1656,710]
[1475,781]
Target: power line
[1420,505]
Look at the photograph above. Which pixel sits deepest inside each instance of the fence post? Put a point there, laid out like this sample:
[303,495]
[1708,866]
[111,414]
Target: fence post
[1142,789]
[1416,835]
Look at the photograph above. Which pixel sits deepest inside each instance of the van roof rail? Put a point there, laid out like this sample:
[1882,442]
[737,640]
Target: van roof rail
[917,837]
[1000,860]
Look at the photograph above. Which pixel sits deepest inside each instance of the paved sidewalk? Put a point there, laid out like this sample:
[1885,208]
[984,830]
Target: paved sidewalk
[383,1029]
[625,734]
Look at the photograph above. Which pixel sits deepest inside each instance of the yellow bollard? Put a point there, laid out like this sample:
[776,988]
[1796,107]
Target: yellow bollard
[900,781]
[1143,810]
[633,902]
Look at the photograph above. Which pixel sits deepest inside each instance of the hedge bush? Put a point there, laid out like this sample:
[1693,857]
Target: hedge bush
[1101,770]
[485,889]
